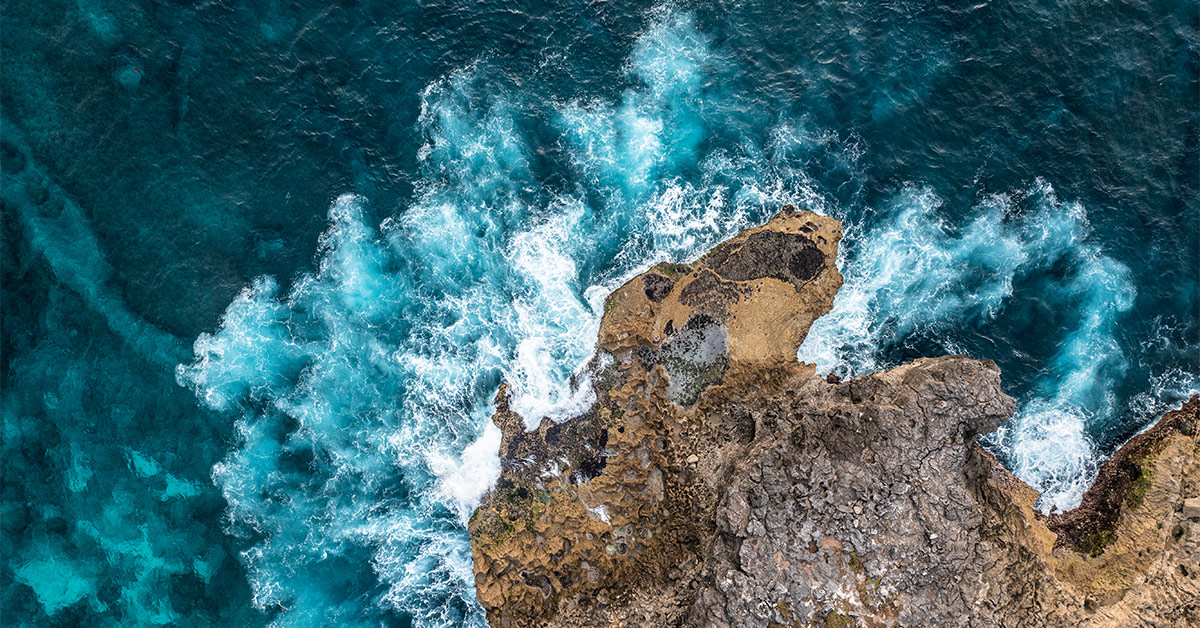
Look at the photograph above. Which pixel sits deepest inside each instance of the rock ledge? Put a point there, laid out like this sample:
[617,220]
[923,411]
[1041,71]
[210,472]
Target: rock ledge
[717,481]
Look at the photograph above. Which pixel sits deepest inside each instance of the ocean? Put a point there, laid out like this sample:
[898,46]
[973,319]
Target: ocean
[265,264]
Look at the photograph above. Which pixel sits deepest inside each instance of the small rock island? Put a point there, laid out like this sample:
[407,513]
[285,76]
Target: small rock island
[717,481]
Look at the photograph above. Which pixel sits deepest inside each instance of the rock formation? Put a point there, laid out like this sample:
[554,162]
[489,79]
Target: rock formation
[717,481]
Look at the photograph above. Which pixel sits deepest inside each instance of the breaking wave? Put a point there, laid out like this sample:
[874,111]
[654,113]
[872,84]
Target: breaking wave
[364,390]
[1020,264]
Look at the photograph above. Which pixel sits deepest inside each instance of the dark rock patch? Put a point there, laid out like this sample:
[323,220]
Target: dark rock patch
[537,581]
[657,286]
[709,293]
[787,257]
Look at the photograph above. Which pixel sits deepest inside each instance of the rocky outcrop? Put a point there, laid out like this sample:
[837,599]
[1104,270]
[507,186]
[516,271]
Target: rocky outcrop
[1131,550]
[717,481]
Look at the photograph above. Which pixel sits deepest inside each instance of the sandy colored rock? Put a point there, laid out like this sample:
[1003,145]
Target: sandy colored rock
[717,481]
[1191,508]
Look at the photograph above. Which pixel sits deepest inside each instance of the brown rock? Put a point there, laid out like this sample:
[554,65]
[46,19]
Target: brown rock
[719,482]
[1191,508]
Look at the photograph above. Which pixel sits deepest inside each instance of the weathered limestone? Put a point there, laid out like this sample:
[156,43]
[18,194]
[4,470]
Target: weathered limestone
[719,482]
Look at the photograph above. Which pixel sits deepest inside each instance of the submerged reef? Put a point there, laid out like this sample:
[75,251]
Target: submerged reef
[718,481]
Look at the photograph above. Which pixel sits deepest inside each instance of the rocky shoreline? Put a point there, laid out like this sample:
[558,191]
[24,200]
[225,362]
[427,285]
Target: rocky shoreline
[717,481]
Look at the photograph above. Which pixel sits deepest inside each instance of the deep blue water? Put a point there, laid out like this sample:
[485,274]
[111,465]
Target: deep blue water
[265,263]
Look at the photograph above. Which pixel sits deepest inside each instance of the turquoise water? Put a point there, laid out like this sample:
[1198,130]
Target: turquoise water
[265,264]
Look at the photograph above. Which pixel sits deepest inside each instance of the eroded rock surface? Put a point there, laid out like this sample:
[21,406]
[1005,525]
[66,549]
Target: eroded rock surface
[719,482]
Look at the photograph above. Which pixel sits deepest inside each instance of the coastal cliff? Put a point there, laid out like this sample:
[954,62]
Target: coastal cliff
[717,481]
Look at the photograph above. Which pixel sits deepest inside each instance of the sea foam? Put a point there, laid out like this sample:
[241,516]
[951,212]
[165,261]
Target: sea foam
[1022,261]
[363,392]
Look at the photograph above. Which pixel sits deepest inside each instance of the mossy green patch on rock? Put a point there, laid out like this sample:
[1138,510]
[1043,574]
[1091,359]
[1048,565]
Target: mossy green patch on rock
[490,529]
[837,620]
[1141,484]
[856,563]
[673,271]
[785,610]
[1094,542]
[613,301]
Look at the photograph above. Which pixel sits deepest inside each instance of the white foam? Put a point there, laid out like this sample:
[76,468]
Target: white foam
[556,325]
[1167,391]
[1049,448]
[599,512]
[376,371]
[464,478]
[249,351]
[914,273]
